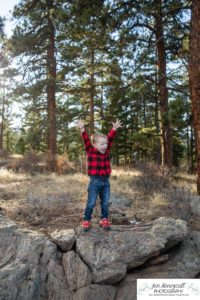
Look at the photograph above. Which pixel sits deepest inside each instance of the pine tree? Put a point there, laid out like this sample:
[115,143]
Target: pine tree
[33,43]
[194,80]
[7,74]
[145,26]
[85,57]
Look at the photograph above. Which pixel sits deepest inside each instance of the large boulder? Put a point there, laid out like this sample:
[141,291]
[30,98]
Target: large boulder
[102,265]
[57,285]
[195,205]
[183,262]
[65,239]
[77,273]
[109,254]
[30,265]
[96,292]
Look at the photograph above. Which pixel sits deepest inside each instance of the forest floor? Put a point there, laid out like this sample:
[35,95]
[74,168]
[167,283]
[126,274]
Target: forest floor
[46,202]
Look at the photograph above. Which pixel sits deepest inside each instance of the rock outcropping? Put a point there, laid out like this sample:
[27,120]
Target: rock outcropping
[109,255]
[93,265]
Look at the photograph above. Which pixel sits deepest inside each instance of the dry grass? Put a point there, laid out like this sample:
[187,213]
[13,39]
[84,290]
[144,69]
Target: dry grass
[43,201]
[47,202]
[9,176]
[53,189]
[186,180]
[158,199]
[154,192]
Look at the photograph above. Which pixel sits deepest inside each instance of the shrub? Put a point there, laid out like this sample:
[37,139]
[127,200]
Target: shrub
[26,164]
[63,165]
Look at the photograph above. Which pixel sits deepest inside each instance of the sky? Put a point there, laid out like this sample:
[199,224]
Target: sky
[5,7]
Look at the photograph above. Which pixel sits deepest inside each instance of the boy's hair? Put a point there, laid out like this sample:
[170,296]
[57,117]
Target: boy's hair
[96,135]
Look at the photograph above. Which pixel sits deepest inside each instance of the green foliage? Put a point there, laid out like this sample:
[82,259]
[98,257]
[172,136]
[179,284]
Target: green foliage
[179,117]
[145,142]
[105,50]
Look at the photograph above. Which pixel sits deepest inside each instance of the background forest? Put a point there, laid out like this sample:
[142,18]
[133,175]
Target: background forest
[99,61]
[137,61]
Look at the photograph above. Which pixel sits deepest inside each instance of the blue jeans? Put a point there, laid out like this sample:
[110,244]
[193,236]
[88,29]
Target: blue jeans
[98,186]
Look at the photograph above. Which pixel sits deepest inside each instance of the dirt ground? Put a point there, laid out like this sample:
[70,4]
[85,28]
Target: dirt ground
[48,202]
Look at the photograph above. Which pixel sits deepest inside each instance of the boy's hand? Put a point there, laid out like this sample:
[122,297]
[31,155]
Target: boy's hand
[117,124]
[80,124]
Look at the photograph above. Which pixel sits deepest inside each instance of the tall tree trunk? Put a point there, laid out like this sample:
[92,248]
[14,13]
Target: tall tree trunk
[192,159]
[188,135]
[92,92]
[51,88]
[194,80]
[157,124]
[101,104]
[144,111]
[2,116]
[188,146]
[162,89]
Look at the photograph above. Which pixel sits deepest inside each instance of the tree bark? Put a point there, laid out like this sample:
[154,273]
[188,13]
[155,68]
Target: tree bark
[51,88]
[92,92]
[162,89]
[192,158]
[194,80]
[2,117]
[158,158]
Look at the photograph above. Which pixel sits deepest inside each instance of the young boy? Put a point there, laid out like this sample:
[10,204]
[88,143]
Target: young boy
[99,171]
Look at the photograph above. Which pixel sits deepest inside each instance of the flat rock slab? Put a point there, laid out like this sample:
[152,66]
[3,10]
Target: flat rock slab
[109,254]
[184,262]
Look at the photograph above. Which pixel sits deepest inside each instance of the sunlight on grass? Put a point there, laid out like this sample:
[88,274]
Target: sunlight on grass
[185,180]
[7,176]
[49,201]
[125,172]
[46,201]
[16,156]
[159,199]
[121,186]
[186,176]
[56,189]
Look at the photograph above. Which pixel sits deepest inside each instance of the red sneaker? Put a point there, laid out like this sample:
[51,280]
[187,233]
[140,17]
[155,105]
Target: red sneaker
[104,223]
[86,225]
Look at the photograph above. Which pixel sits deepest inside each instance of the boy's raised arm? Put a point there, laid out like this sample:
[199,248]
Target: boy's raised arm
[117,124]
[112,133]
[80,124]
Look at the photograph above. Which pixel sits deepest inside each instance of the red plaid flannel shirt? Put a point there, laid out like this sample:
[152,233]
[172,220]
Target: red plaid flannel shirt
[98,163]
